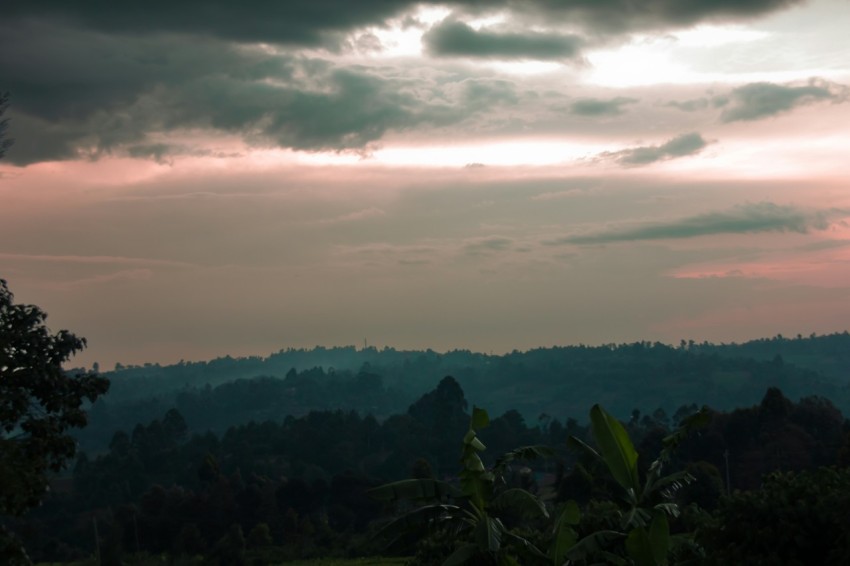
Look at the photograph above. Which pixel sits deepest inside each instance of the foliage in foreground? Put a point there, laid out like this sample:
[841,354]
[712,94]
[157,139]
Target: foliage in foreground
[793,519]
[643,506]
[328,514]
[476,516]
[39,402]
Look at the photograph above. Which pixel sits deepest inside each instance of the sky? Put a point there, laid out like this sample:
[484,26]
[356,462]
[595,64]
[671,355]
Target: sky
[198,179]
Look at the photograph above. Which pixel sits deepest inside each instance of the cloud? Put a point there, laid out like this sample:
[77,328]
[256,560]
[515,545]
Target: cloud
[78,95]
[94,259]
[294,22]
[743,219]
[124,275]
[308,23]
[72,74]
[689,105]
[481,91]
[555,195]
[89,79]
[600,107]
[351,109]
[390,253]
[680,146]
[163,153]
[454,38]
[357,215]
[482,246]
[608,18]
[159,152]
[761,100]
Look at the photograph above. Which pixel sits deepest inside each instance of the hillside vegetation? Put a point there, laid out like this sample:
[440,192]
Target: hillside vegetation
[560,381]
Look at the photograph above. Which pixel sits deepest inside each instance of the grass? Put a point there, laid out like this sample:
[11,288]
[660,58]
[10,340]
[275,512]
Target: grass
[375,561]
[156,560]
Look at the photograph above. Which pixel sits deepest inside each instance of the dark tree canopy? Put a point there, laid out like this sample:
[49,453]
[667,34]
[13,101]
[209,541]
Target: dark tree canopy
[39,402]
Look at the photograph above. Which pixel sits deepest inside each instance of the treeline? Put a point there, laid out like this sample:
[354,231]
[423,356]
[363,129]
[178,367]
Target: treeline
[279,490]
[244,400]
[230,391]
[828,354]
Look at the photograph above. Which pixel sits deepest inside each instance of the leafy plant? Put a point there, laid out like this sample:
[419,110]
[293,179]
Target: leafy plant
[472,512]
[39,403]
[793,518]
[643,537]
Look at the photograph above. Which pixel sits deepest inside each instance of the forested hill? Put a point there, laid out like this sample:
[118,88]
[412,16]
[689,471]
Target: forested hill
[559,381]
[828,355]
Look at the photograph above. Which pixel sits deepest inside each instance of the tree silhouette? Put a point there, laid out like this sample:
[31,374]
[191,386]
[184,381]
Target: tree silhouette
[39,402]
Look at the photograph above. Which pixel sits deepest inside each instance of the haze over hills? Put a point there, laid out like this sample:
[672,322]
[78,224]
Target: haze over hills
[560,381]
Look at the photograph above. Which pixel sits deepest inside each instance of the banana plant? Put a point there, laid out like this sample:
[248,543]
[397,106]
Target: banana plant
[644,504]
[471,512]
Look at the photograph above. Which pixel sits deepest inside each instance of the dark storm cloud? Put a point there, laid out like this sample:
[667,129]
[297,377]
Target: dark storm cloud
[36,140]
[351,109]
[742,219]
[761,100]
[159,152]
[623,16]
[74,89]
[81,96]
[600,107]
[454,38]
[680,146]
[299,22]
[311,22]
[89,78]
[165,152]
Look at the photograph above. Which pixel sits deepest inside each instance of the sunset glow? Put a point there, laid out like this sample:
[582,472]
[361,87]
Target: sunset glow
[438,174]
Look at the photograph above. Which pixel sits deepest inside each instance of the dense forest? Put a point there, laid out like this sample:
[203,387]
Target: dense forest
[299,487]
[227,391]
[269,460]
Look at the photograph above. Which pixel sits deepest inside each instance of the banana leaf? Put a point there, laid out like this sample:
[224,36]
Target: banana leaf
[616,449]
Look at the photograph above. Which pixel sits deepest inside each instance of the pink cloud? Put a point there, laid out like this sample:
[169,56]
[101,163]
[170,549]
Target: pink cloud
[826,267]
[736,323]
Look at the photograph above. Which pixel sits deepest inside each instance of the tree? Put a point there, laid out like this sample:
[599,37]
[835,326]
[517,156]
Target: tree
[4,124]
[39,402]
[793,518]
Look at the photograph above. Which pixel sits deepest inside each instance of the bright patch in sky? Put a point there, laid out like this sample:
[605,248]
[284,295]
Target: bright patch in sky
[403,39]
[521,68]
[704,54]
[534,175]
[707,36]
[636,64]
[498,154]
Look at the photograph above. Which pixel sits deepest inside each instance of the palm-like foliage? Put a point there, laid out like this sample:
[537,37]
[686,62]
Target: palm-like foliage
[473,511]
[644,506]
